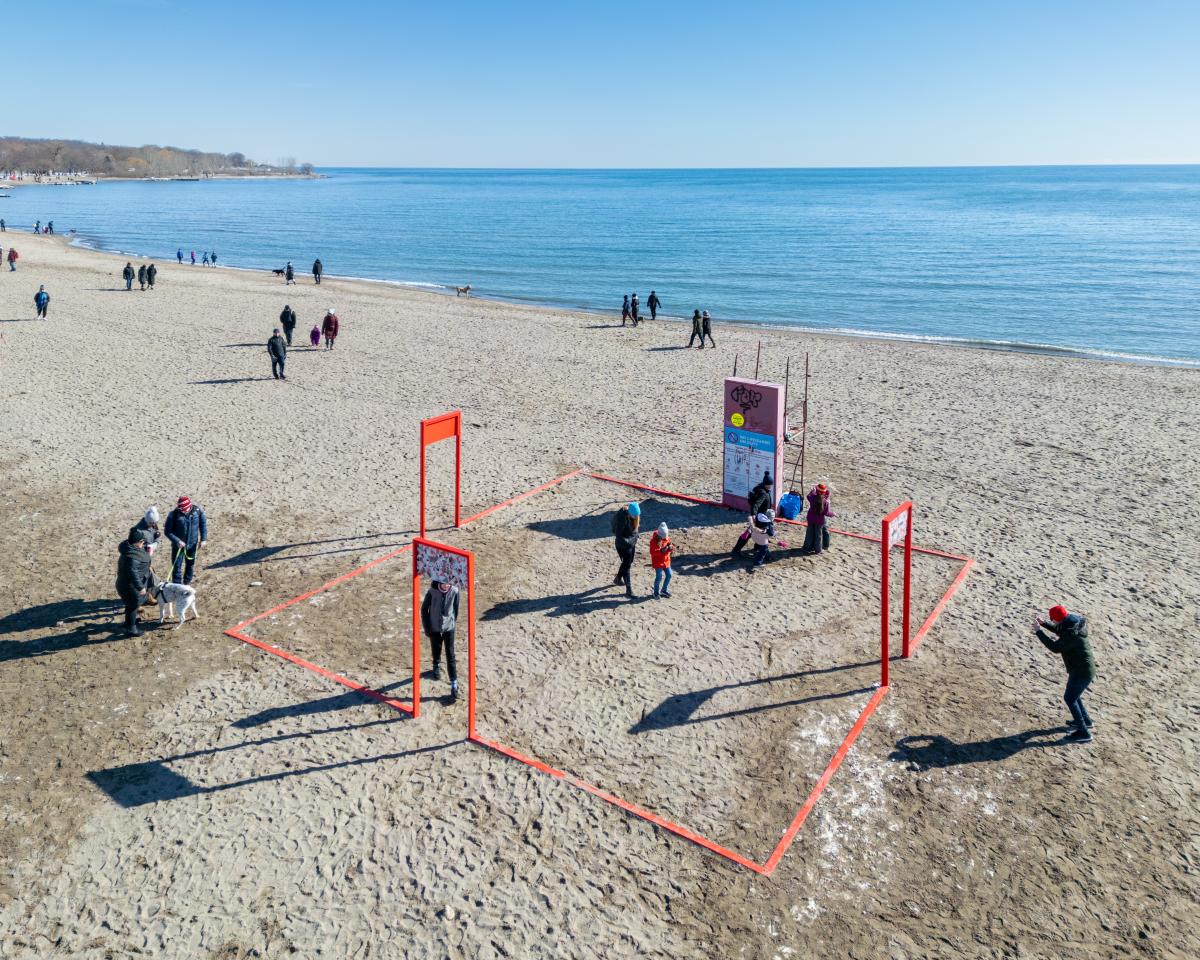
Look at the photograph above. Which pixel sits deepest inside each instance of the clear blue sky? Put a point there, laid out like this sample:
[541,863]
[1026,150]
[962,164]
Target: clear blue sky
[615,83]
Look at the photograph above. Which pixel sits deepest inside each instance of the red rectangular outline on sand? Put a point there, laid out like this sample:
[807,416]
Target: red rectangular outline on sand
[789,835]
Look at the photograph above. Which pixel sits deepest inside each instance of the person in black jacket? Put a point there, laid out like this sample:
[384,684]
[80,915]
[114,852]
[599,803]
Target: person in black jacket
[697,330]
[287,320]
[439,617]
[151,274]
[151,532]
[128,276]
[1068,636]
[187,529]
[762,499]
[277,348]
[625,535]
[142,275]
[289,275]
[653,303]
[318,269]
[133,577]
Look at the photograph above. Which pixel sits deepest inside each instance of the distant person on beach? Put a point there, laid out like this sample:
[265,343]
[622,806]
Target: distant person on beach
[277,348]
[314,335]
[661,550]
[816,534]
[697,329]
[128,275]
[213,259]
[151,274]
[133,577]
[50,228]
[287,319]
[13,256]
[1068,636]
[193,258]
[633,309]
[762,529]
[625,524]
[706,329]
[625,310]
[439,617]
[187,529]
[142,275]
[41,300]
[329,327]
[204,259]
[653,303]
[179,254]
[3,226]
[289,275]
[37,227]
[761,498]
[318,269]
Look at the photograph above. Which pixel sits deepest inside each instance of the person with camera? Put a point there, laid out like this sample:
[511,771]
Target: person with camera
[1067,634]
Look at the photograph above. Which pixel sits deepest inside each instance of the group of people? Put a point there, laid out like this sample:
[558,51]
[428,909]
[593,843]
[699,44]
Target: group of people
[626,525]
[631,308]
[281,338]
[289,272]
[760,526]
[37,227]
[186,529]
[208,259]
[145,275]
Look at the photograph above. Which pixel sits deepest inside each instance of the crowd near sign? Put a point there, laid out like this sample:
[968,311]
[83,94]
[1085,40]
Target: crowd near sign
[753,429]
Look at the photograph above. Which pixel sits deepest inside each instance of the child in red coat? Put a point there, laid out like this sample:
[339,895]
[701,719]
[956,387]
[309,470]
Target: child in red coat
[661,549]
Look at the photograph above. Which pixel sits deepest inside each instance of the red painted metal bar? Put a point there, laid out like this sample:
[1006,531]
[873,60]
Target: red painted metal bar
[885,582]
[416,635]
[907,611]
[434,430]
[471,644]
[521,496]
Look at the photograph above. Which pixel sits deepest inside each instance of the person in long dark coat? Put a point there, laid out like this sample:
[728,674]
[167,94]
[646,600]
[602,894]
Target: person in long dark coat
[142,276]
[133,577]
[318,269]
[151,275]
[287,320]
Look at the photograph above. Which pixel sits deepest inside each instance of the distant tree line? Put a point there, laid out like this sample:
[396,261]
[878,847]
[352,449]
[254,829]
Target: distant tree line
[45,157]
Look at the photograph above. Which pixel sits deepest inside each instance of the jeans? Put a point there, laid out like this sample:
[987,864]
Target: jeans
[695,334]
[277,368]
[129,283]
[183,565]
[662,575]
[41,311]
[760,553]
[437,641]
[1073,696]
[626,554]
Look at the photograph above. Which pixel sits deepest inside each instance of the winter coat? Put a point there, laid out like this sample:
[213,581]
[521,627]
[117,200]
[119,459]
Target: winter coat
[288,319]
[277,347]
[133,569]
[149,530]
[329,326]
[41,298]
[142,273]
[762,499]
[186,529]
[761,535]
[439,611]
[13,256]
[625,534]
[653,302]
[661,549]
[818,509]
[706,324]
[318,269]
[1070,638]
[127,273]
[289,273]
[151,273]
[697,325]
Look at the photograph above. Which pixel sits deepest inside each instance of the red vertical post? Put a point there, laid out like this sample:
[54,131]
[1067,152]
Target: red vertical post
[416,637]
[422,523]
[471,645]
[908,544]
[883,607]
[458,471]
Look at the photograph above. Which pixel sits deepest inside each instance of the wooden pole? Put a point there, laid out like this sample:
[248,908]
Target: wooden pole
[758,360]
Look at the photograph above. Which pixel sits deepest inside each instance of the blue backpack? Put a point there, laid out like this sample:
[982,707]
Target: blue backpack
[790,505]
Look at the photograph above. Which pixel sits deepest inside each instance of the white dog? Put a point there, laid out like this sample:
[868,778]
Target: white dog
[177,599]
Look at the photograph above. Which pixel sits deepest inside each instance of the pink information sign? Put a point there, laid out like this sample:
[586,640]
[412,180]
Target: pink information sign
[753,432]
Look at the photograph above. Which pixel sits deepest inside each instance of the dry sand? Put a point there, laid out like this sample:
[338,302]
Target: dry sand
[184,794]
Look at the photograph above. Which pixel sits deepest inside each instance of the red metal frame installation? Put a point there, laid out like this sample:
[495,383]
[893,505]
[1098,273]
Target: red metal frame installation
[434,430]
[789,835]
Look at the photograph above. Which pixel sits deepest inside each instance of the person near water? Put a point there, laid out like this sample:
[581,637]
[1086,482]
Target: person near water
[41,300]
[179,254]
[37,226]
[329,327]
[151,274]
[3,226]
[187,529]
[193,258]
[133,577]
[661,550]
[633,309]
[762,529]
[761,498]
[289,275]
[314,335]
[50,228]
[128,275]
[816,533]
[625,310]
[204,259]
[13,256]
[213,259]
[277,348]
[653,303]
[1068,636]
[142,276]
[318,269]
[287,319]
[625,524]
[706,329]
[439,617]
[697,330]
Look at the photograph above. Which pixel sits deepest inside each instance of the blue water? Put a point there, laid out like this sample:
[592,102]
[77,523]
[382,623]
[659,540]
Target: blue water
[1102,259]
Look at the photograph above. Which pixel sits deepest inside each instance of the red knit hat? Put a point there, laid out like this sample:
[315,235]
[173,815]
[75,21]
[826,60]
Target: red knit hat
[184,504]
[1058,614]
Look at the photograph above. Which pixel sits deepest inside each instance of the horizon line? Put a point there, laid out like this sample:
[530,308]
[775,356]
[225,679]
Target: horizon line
[883,166]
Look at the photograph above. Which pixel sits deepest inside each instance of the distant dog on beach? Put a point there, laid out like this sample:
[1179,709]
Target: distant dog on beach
[463,291]
[177,599]
[279,272]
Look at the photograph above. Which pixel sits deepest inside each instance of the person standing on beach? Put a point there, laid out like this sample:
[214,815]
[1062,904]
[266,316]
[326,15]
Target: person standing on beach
[193,258]
[41,300]
[761,498]
[329,327]
[633,309]
[152,532]
[706,329]
[318,269]
[697,329]
[287,320]
[187,529]
[128,276]
[277,349]
[142,275]
[12,258]
[133,577]
[314,336]
[625,524]
[213,259]
[1068,636]
[439,617]
[50,228]
[151,273]
[816,534]
[179,255]
[625,310]
[37,227]
[661,550]
[204,259]
[653,303]
[3,226]
[289,275]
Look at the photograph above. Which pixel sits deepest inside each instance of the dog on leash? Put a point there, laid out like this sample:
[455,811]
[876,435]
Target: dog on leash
[176,599]
[279,272]
[463,291]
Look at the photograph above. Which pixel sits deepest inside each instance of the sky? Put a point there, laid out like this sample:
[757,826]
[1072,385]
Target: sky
[614,83]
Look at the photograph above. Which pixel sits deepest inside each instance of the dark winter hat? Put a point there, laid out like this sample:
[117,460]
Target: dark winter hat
[1058,614]
[767,480]
[137,536]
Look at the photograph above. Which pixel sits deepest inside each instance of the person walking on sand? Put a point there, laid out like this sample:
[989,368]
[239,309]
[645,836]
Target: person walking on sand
[128,276]
[697,329]
[151,274]
[761,498]
[3,226]
[633,309]
[142,275]
[625,310]
[204,259]
[314,336]
[179,255]
[277,348]
[329,327]
[318,269]
[37,227]
[762,529]
[289,275]
[187,529]
[50,228]
[287,319]
[193,258]
[816,534]
[439,617]
[653,303]
[1068,636]
[13,256]
[133,577]
[661,550]
[706,330]
[41,300]
[625,524]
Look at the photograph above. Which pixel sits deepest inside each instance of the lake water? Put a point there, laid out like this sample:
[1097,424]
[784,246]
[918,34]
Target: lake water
[1100,260]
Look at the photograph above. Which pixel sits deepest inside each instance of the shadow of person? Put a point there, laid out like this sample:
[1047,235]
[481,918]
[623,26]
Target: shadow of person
[58,613]
[561,605]
[931,751]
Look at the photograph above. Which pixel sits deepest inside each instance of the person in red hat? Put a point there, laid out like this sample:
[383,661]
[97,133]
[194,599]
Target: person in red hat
[187,529]
[1068,635]
[816,535]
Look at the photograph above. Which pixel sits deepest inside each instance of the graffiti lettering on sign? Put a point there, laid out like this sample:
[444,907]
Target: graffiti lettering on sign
[744,397]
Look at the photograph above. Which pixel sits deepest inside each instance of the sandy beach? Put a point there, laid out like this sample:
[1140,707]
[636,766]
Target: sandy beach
[184,794]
